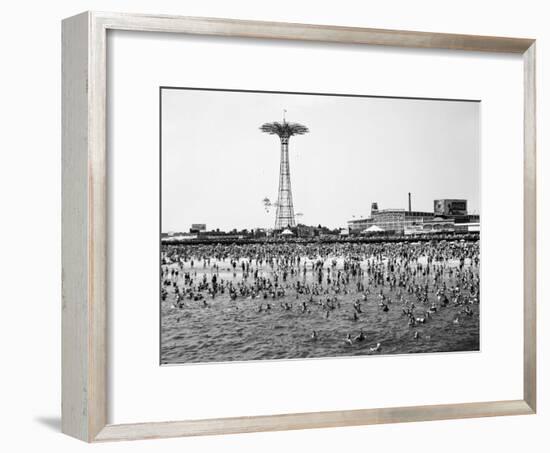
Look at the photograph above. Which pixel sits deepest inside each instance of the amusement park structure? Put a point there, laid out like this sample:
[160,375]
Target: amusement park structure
[285,208]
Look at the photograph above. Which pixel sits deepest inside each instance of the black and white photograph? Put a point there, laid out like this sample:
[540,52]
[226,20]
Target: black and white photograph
[317,225]
[259,227]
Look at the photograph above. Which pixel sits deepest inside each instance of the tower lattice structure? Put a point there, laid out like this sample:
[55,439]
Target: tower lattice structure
[284,217]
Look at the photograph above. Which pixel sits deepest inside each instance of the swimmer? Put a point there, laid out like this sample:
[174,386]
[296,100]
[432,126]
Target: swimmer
[348,340]
[376,348]
[360,337]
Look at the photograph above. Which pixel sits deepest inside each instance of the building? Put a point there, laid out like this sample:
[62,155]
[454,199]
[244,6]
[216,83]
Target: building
[455,209]
[434,225]
[447,214]
[450,207]
[197,227]
[393,221]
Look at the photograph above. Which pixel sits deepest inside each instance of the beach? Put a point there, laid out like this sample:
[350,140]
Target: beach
[274,301]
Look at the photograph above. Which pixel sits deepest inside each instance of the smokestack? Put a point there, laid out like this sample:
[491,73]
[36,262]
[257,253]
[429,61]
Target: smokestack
[409,202]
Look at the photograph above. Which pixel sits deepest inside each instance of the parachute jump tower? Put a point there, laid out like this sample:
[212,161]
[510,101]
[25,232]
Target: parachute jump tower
[285,208]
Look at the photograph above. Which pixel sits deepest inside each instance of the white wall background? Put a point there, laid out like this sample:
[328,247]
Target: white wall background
[30,174]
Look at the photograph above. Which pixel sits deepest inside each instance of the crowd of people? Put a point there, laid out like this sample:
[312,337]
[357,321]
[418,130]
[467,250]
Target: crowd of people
[416,279]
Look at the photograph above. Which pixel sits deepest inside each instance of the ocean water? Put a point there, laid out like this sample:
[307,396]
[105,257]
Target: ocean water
[235,330]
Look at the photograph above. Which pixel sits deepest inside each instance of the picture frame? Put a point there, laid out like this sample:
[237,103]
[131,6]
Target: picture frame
[85,395]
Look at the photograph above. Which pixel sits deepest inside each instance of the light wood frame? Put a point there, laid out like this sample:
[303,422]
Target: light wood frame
[84,232]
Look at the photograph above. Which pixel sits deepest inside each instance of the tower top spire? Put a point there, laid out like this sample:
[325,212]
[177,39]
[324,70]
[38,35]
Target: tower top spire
[284,130]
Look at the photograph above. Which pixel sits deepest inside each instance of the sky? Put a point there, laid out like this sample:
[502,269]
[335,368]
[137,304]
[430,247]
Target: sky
[217,166]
